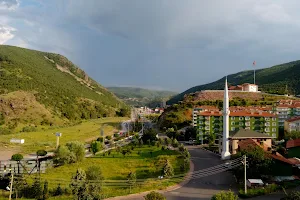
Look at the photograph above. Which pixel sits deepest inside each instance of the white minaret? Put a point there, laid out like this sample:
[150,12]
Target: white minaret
[226,112]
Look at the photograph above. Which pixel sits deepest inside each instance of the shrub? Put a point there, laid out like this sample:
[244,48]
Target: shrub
[64,156]
[292,196]
[96,147]
[78,149]
[41,153]
[108,137]
[58,191]
[181,148]
[168,170]
[5,131]
[29,129]
[175,143]
[154,196]
[100,139]
[116,135]
[258,191]
[17,157]
[229,195]
[163,148]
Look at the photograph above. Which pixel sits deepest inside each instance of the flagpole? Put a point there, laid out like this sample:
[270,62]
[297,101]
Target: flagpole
[254,76]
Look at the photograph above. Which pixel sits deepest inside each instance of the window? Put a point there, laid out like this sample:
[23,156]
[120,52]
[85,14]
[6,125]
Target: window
[232,128]
[274,124]
[273,119]
[201,122]
[274,135]
[247,118]
[207,123]
[232,123]
[247,128]
[267,124]
[232,118]
[241,123]
[241,118]
[247,123]
[206,127]
[267,119]
[267,129]
[273,129]
[200,127]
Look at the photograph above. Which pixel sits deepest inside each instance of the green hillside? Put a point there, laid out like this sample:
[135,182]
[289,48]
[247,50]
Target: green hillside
[140,96]
[279,79]
[50,83]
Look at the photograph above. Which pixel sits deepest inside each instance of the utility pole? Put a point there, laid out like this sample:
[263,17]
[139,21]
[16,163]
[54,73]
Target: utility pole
[11,184]
[245,169]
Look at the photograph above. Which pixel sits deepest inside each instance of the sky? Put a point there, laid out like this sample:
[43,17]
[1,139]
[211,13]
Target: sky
[157,44]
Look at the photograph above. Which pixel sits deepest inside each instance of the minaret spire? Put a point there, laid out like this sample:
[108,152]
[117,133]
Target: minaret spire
[226,112]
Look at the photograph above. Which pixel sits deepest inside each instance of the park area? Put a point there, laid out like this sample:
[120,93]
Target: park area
[45,139]
[145,161]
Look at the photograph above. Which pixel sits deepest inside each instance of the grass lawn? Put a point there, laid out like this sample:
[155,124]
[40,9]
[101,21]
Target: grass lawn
[115,168]
[45,139]
[294,152]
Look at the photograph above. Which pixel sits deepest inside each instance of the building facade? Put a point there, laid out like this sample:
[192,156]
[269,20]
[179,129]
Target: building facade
[292,124]
[286,109]
[211,122]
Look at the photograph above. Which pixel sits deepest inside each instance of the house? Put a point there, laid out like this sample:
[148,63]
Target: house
[281,166]
[292,124]
[237,137]
[246,87]
[293,148]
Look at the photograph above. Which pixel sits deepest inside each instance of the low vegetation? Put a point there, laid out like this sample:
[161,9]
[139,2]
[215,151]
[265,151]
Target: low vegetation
[225,195]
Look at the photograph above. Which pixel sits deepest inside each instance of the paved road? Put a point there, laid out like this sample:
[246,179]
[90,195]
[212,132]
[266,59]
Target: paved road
[206,187]
[201,188]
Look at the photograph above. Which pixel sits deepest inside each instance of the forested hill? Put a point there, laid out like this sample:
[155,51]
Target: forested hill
[140,96]
[279,79]
[51,85]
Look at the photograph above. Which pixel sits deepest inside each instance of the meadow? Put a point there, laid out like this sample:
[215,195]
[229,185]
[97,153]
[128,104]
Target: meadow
[46,139]
[115,168]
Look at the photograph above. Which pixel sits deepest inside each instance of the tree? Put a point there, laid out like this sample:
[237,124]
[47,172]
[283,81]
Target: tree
[292,135]
[154,196]
[100,139]
[229,195]
[168,169]
[190,132]
[78,149]
[175,143]
[94,178]
[108,137]
[259,162]
[36,189]
[78,185]
[64,156]
[58,191]
[17,157]
[168,141]
[41,153]
[124,152]
[149,134]
[96,147]
[45,191]
[141,142]
[131,177]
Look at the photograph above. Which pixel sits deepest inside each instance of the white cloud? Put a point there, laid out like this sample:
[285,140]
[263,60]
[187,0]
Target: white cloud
[9,4]
[6,33]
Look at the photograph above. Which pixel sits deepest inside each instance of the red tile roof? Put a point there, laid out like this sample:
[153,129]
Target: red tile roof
[238,113]
[245,144]
[293,143]
[293,119]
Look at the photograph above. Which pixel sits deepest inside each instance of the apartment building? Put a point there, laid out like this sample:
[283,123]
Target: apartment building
[197,110]
[286,109]
[292,124]
[211,122]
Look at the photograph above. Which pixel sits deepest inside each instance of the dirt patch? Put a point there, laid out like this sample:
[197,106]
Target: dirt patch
[7,152]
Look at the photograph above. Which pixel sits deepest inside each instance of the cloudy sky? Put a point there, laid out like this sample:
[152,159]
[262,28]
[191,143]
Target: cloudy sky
[157,44]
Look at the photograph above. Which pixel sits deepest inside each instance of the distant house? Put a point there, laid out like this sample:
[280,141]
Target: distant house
[246,87]
[293,148]
[292,124]
[237,137]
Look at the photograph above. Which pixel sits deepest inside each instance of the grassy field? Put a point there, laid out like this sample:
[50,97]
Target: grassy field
[115,168]
[45,139]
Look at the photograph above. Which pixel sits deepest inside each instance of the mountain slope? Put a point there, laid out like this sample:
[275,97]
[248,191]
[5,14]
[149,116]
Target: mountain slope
[276,79]
[140,96]
[53,81]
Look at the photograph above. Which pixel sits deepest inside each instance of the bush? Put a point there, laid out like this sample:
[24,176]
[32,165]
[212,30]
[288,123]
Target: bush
[17,157]
[225,196]
[5,131]
[41,153]
[292,196]
[78,149]
[168,170]
[108,137]
[29,129]
[100,139]
[64,156]
[116,135]
[58,191]
[258,191]
[175,143]
[154,196]
[96,147]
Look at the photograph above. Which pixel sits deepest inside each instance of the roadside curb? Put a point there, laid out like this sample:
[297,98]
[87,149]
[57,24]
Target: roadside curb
[210,151]
[186,179]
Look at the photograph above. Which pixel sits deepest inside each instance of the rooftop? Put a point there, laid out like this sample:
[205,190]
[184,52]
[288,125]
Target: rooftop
[293,119]
[244,133]
[239,113]
[293,143]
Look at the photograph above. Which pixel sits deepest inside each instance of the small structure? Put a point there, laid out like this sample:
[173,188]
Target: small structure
[255,183]
[292,124]
[246,87]
[19,141]
[245,134]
